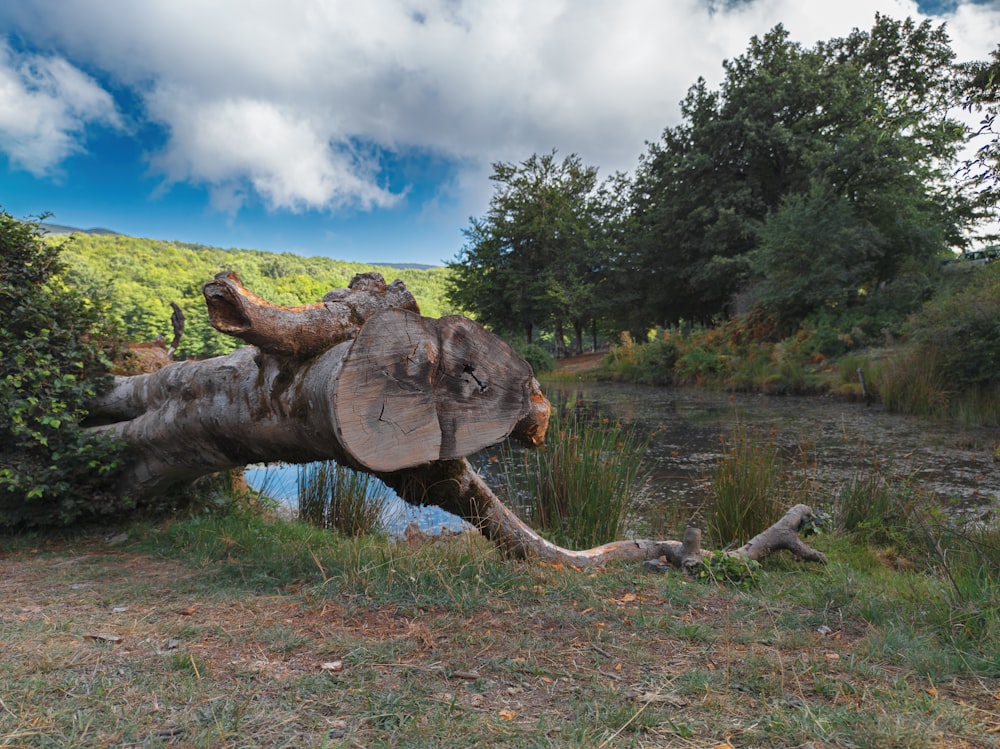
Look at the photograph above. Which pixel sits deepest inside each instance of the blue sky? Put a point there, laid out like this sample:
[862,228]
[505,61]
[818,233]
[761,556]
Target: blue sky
[358,131]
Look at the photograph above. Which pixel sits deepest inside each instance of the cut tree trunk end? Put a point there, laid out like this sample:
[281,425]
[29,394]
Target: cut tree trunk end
[361,378]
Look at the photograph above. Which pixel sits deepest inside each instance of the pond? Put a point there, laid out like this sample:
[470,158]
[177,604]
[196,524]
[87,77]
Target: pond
[828,438]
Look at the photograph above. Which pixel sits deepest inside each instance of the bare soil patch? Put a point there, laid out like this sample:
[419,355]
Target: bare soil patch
[581,363]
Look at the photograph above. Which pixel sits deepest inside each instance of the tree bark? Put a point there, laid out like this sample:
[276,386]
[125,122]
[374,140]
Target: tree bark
[361,378]
[358,379]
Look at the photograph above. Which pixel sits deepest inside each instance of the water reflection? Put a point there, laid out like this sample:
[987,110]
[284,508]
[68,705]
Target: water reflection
[837,437]
[278,481]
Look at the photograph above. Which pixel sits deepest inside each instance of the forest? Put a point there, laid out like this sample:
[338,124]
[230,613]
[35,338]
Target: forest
[141,277]
[813,184]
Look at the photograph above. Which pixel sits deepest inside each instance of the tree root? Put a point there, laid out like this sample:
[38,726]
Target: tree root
[456,487]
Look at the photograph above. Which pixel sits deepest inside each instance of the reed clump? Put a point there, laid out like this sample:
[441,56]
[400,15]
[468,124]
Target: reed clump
[872,506]
[746,488]
[577,489]
[335,497]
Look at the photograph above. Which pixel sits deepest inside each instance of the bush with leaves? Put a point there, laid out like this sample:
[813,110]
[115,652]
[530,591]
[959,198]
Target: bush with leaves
[962,332]
[541,361]
[54,356]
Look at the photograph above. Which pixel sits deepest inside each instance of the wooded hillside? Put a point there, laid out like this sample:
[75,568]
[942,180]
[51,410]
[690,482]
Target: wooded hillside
[142,277]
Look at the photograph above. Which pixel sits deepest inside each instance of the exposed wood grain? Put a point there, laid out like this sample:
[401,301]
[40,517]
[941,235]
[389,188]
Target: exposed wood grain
[362,379]
[414,390]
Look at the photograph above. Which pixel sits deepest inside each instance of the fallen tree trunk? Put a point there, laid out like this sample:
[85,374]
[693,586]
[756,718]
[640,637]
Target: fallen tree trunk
[320,383]
[361,378]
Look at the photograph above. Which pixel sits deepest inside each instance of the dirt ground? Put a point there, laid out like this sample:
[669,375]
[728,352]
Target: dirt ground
[580,364]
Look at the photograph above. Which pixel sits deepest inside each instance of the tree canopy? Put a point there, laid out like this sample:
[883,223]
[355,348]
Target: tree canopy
[811,178]
[810,175]
[982,171]
[533,260]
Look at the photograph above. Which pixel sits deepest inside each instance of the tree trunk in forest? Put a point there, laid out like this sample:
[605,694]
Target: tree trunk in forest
[560,340]
[360,378]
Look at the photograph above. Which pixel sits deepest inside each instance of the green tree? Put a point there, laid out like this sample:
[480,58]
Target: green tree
[617,303]
[982,95]
[53,358]
[528,263]
[854,131]
[816,254]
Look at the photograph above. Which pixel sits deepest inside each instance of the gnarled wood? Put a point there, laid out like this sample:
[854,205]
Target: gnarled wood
[399,391]
[303,331]
[362,379]
[456,487]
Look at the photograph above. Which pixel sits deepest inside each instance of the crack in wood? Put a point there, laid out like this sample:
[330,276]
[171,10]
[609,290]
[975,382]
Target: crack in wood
[403,384]
[470,370]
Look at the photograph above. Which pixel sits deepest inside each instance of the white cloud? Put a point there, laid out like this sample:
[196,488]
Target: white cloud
[268,95]
[288,160]
[46,105]
[974,30]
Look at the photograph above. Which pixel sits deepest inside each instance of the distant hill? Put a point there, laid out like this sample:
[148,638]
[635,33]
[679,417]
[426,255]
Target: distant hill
[59,229]
[141,277]
[408,266]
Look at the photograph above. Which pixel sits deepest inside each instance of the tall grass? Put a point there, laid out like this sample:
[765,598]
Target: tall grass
[333,496]
[977,406]
[871,506]
[746,488]
[913,384]
[577,489]
[918,383]
[969,557]
[917,534]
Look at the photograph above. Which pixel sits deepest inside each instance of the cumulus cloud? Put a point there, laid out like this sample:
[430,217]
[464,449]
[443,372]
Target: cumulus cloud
[289,161]
[276,97]
[46,105]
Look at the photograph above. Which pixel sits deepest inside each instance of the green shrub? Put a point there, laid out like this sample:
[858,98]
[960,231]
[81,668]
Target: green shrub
[657,361]
[822,336]
[333,496]
[541,361]
[54,357]
[650,363]
[963,331]
[752,370]
[700,363]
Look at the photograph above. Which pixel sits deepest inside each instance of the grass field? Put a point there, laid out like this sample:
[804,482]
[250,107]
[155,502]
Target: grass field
[240,632]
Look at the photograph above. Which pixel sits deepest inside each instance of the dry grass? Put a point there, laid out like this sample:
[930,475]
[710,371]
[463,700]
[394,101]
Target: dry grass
[496,654]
